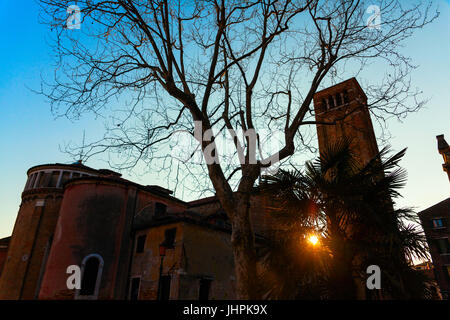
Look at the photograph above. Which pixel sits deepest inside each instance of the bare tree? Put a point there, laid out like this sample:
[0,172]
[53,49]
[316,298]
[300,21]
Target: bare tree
[221,67]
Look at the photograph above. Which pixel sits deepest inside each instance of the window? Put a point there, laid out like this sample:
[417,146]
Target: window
[160,209]
[165,288]
[90,277]
[443,245]
[31,180]
[45,179]
[338,99]
[65,177]
[205,285]
[446,272]
[135,284]
[346,98]
[324,104]
[91,267]
[37,180]
[54,179]
[169,238]
[140,245]
[331,102]
[76,175]
[437,223]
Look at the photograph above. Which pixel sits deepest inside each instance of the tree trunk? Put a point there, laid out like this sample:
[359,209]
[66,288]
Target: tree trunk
[243,242]
[342,281]
[237,207]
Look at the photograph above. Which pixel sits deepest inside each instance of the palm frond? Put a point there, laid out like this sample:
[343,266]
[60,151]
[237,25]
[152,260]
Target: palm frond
[354,204]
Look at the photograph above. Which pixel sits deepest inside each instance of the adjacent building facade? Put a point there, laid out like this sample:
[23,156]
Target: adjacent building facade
[4,244]
[436,224]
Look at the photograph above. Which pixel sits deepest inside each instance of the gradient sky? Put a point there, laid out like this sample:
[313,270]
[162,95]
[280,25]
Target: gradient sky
[29,134]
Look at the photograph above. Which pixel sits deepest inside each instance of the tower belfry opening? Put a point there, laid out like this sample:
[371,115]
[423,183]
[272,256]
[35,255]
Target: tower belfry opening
[342,112]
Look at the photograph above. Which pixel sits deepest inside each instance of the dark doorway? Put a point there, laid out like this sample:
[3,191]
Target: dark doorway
[90,275]
[140,246]
[169,238]
[205,286]
[165,288]
[135,283]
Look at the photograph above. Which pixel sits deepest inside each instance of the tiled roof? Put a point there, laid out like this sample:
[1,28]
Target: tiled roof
[5,241]
[440,209]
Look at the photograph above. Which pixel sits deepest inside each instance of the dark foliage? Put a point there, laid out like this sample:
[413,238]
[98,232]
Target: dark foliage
[351,206]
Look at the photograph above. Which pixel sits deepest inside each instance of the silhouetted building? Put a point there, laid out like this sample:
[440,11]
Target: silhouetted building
[342,112]
[435,222]
[139,242]
[112,229]
[444,150]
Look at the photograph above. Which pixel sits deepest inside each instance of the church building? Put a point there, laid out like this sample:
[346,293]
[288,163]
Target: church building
[133,241]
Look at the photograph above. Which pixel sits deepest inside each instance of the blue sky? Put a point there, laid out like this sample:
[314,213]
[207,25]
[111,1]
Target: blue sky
[29,134]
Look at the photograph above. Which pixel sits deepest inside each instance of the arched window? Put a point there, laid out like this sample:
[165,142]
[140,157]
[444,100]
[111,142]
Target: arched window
[91,274]
[346,97]
[160,209]
[324,105]
[204,288]
[331,104]
[338,100]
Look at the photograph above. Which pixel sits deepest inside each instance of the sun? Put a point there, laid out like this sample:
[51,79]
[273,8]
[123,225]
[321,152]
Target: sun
[313,239]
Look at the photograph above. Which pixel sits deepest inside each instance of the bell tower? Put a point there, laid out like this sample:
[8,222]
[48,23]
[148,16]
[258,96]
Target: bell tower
[341,111]
[444,150]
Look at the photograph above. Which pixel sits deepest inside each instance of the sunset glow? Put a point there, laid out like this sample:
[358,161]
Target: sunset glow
[313,239]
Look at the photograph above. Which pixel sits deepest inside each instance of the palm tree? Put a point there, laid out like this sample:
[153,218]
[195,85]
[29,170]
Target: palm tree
[352,206]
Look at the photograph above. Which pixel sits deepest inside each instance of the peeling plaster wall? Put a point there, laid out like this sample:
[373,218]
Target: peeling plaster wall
[208,255]
[199,253]
[93,219]
[146,264]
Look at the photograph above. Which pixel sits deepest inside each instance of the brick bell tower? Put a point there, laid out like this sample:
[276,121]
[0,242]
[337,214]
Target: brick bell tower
[346,105]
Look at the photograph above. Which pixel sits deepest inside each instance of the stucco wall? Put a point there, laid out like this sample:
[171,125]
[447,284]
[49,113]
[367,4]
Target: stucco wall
[199,253]
[92,220]
[35,223]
